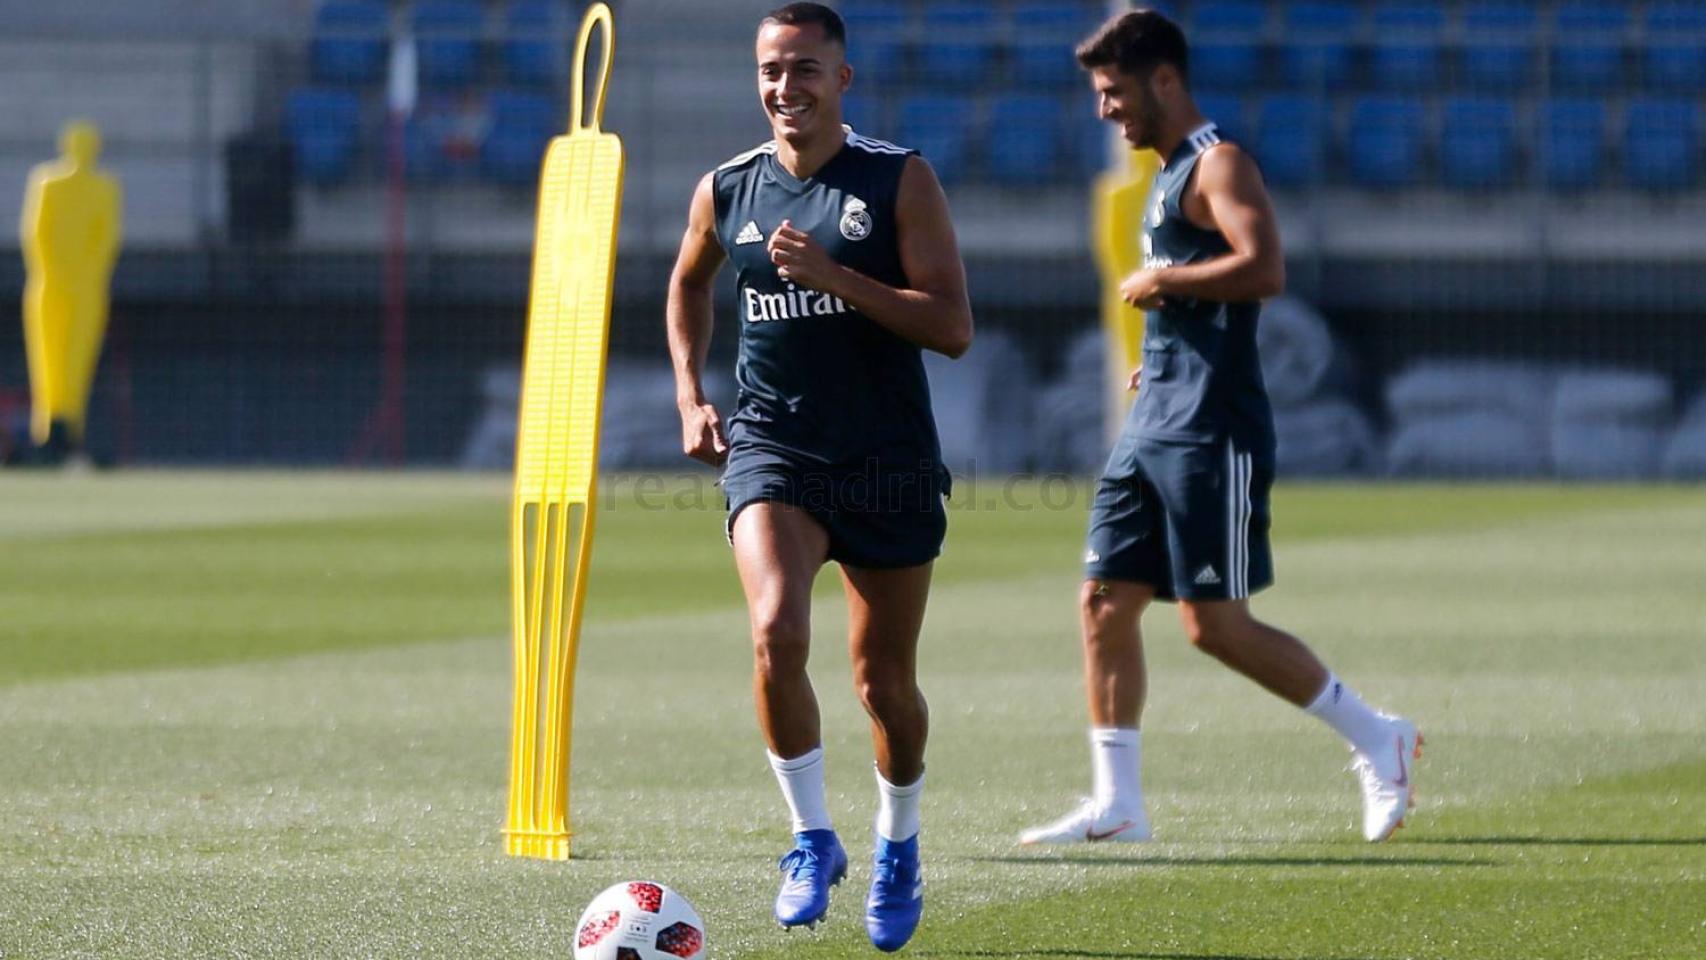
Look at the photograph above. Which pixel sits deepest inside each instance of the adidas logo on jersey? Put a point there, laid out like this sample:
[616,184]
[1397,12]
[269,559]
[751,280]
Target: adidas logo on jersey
[1206,577]
[749,234]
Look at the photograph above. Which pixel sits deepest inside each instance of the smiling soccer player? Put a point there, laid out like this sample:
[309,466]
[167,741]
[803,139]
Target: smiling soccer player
[1181,511]
[847,268]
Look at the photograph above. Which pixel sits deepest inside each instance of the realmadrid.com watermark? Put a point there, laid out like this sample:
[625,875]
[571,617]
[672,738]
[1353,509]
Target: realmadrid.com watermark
[859,490]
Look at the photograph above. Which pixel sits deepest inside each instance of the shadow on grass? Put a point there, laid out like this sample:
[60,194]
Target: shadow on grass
[1562,841]
[1018,954]
[1115,861]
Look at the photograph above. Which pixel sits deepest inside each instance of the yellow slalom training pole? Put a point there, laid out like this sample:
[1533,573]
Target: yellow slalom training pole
[556,462]
[1117,237]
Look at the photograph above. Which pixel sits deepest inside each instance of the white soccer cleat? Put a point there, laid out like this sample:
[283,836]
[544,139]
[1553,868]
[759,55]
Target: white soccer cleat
[1388,788]
[1091,824]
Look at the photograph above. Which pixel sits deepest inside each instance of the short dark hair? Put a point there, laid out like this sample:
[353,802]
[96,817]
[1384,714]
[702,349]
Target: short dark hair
[800,14]
[1137,42]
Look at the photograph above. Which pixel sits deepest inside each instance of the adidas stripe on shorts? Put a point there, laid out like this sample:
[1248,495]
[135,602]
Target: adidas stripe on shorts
[1190,519]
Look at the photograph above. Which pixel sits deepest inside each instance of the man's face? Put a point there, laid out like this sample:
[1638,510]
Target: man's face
[801,77]
[1129,102]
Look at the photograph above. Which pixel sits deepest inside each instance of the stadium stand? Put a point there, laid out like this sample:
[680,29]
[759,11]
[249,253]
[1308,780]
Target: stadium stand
[348,44]
[1291,138]
[1386,141]
[1226,44]
[1316,50]
[958,44]
[1587,50]
[1407,46]
[1498,46]
[1227,111]
[877,33]
[1024,142]
[323,126]
[1661,143]
[537,38]
[941,127]
[1478,143]
[447,41]
[1673,47]
[1043,36]
[1572,143]
[864,113]
[522,122]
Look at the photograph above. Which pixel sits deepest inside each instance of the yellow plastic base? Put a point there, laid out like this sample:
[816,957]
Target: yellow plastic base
[539,846]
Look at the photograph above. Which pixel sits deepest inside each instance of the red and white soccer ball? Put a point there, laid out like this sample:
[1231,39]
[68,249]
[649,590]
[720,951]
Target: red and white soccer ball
[640,921]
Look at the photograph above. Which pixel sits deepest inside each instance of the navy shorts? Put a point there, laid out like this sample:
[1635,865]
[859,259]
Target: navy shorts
[877,517]
[1190,519]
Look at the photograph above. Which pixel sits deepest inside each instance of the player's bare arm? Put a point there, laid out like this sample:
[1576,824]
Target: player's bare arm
[689,321]
[1228,197]
[934,311]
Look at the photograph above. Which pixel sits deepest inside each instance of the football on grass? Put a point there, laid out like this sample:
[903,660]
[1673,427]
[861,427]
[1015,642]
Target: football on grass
[639,921]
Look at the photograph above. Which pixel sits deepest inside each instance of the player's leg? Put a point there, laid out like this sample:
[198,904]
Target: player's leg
[885,614]
[1383,745]
[1281,663]
[1125,560]
[1218,522]
[778,551]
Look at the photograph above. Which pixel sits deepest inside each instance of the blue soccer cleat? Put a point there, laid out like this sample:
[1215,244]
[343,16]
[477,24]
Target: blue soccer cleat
[897,894]
[816,863]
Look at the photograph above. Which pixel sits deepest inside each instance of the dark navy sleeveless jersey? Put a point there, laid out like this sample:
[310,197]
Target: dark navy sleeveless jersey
[820,383]
[1202,381]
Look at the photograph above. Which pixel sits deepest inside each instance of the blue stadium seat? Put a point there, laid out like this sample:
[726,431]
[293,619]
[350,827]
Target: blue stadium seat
[1227,112]
[1087,139]
[1044,35]
[323,126]
[1024,143]
[1572,143]
[1498,45]
[1226,44]
[1587,53]
[940,126]
[1661,144]
[876,37]
[866,114]
[1316,52]
[522,124]
[349,41]
[1674,58]
[447,41]
[958,45]
[1477,147]
[1291,139]
[1386,141]
[1406,50]
[537,37]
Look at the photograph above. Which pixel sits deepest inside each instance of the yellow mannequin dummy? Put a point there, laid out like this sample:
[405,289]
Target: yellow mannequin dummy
[70,231]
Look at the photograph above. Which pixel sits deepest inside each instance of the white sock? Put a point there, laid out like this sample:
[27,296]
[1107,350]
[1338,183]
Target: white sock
[801,780]
[897,809]
[1340,708]
[1116,757]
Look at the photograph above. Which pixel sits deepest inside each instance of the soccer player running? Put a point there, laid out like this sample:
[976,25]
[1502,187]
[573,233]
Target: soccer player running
[1181,511]
[846,268]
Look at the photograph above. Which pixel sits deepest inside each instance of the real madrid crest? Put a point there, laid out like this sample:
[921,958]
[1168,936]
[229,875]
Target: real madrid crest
[855,220]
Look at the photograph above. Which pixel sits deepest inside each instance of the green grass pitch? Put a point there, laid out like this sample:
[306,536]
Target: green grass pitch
[265,715]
